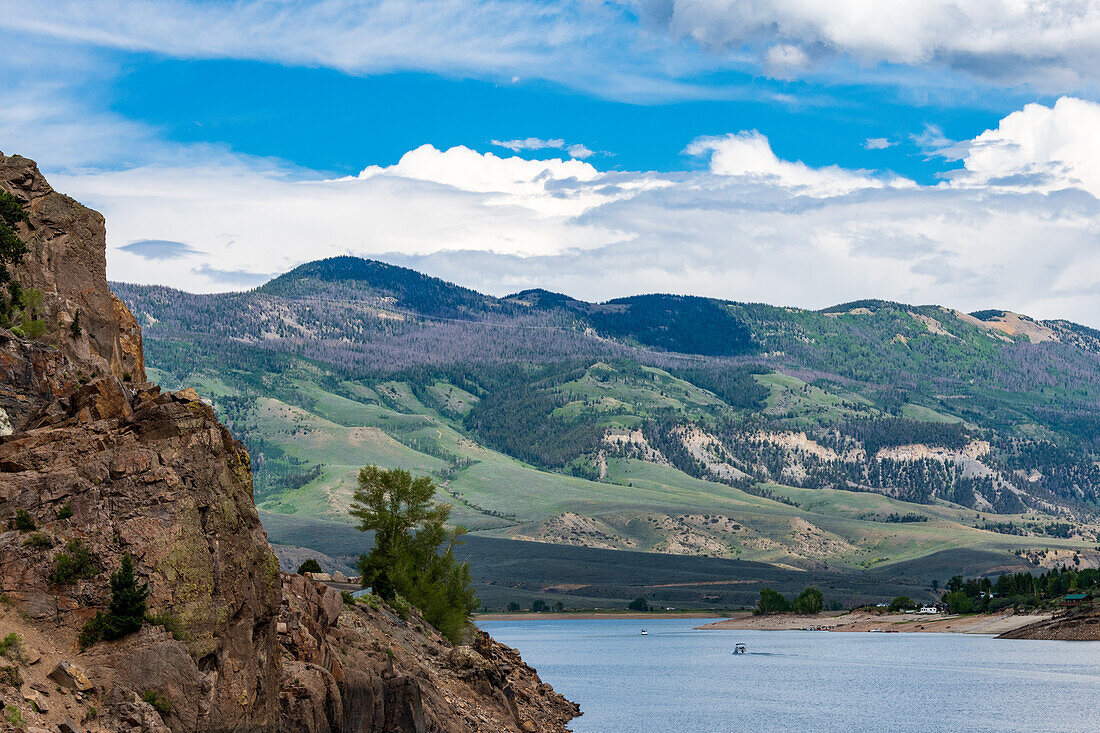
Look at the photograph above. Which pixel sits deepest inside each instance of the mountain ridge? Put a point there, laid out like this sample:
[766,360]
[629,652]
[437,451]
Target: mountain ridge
[543,422]
[352,268]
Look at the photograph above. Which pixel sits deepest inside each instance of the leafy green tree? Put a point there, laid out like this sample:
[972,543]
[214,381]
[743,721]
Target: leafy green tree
[409,530]
[513,607]
[771,601]
[639,604]
[538,605]
[309,566]
[958,602]
[811,600]
[901,603]
[73,563]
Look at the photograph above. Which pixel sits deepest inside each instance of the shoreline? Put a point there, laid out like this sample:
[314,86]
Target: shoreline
[595,616]
[988,624]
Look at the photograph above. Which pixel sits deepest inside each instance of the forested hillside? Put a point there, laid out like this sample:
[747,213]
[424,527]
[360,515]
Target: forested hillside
[668,423]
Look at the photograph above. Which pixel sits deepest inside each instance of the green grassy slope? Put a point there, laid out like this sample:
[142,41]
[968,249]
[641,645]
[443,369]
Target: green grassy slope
[737,430]
[637,505]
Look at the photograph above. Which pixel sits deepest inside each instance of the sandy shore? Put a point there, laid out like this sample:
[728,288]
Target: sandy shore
[597,616]
[885,622]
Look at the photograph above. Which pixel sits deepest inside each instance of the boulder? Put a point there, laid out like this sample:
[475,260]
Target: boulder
[71,677]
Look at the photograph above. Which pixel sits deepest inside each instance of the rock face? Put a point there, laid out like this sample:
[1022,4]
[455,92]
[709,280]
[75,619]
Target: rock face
[363,668]
[31,375]
[96,464]
[67,262]
[157,477]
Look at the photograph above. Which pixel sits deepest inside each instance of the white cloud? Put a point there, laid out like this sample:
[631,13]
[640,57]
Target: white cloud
[247,218]
[580,151]
[547,187]
[784,61]
[577,43]
[749,154]
[1017,228]
[1053,43]
[575,150]
[932,140]
[602,47]
[1037,148]
[877,143]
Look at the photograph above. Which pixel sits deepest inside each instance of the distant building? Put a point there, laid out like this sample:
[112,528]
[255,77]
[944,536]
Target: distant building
[929,609]
[1073,599]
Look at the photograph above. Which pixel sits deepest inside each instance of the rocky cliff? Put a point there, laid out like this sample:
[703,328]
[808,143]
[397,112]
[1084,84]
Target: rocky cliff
[96,464]
[67,261]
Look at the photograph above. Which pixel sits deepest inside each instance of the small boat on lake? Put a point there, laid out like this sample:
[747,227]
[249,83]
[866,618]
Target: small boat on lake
[645,633]
[740,649]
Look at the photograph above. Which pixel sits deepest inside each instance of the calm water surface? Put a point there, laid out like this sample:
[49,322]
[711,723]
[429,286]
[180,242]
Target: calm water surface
[678,679]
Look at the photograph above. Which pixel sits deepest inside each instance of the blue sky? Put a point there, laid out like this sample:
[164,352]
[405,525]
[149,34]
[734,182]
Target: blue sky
[331,121]
[786,151]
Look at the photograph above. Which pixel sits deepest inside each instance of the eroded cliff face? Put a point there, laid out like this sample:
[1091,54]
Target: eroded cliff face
[157,477]
[363,668]
[96,464]
[67,261]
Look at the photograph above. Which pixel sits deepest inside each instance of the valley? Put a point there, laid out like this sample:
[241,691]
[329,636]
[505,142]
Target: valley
[550,420]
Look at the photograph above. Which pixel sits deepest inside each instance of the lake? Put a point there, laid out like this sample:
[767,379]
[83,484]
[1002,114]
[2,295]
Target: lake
[679,679]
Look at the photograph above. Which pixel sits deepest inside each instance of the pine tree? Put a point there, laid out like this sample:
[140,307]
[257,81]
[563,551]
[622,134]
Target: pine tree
[126,612]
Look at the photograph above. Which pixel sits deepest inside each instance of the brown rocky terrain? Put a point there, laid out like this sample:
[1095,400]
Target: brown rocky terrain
[1077,624]
[67,261]
[96,464]
[887,622]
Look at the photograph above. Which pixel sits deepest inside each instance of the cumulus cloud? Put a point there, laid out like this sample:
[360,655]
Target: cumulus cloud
[1037,148]
[575,150]
[257,219]
[877,143]
[749,154]
[1052,43]
[1016,227]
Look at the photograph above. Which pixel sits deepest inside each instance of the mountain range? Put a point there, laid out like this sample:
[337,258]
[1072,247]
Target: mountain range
[853,437]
